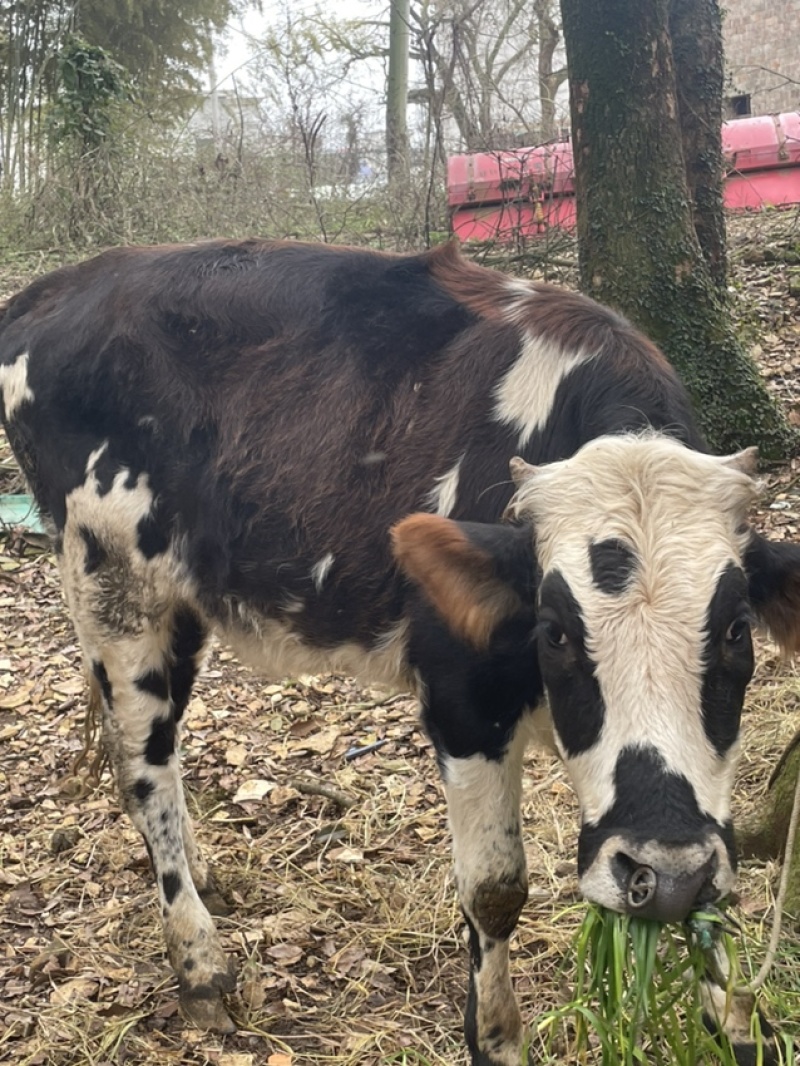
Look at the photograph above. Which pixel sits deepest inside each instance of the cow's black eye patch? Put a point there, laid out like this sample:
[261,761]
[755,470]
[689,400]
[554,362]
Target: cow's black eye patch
[553,633]
[613,564]
[568,671]
[728,659]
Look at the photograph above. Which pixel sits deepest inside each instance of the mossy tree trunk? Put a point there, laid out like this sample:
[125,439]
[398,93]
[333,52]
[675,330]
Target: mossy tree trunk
[765,837]
[695,28]
[639,248]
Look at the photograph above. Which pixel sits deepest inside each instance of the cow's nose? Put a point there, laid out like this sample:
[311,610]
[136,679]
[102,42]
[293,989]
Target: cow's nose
[666,895]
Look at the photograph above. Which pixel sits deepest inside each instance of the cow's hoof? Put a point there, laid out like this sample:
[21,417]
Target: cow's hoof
[735,1030]
[749,1055]
[507,1057]
[202,1006]
[207,1012]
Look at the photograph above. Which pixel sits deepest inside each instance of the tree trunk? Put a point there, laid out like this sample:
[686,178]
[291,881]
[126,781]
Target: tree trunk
[766,837]
[397,94]
[696,31]
[638,247]
[549,80]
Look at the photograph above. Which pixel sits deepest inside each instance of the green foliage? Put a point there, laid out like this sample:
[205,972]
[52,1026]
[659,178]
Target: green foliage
[164,44]
[89,84]
[637,993]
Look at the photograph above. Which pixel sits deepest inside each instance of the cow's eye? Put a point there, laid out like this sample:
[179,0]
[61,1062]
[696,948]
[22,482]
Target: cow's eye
[553,634]
[737,631]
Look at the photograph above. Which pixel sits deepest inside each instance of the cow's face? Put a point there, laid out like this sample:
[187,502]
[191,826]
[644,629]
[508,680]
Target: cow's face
[644,646]
[642,575]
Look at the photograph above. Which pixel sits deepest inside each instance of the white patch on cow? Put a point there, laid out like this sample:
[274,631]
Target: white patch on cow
[292,605]
[519,288]
[373,458]
[483,806]
[277,650]
[134,592]
[320,570]
[519,294]
[14,384]
[682,513]
[524,396]
[497,1016]
[94,457]
[442,499]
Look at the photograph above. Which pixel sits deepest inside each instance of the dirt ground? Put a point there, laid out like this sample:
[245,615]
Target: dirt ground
[320,805]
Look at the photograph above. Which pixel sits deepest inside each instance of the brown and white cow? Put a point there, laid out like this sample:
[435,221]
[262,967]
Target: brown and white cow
[306,449]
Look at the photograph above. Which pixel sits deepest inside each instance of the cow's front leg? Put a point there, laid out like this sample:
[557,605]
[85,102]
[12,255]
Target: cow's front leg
[483,800]
[735,1017]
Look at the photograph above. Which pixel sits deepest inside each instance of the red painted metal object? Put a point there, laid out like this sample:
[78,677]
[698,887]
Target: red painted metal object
[512,195]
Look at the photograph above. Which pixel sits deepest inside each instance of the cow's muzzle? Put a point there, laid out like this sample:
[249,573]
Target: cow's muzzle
[655,880]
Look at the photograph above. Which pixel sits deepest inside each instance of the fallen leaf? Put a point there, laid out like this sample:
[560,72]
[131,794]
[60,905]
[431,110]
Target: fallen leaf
[321,743]
[346,855]
[282,794]
[236,755]
[255,789]
[10,700]
[304,727]
[288,954]
[75,989]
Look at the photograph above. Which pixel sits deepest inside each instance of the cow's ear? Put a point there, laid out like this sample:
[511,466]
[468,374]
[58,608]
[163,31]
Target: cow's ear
[474,575]
[773,574]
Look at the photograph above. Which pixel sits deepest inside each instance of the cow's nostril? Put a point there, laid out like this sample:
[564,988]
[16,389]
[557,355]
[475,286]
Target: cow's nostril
[641,887]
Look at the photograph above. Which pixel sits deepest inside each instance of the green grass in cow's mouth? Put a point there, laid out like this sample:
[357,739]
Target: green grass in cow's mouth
[638,995]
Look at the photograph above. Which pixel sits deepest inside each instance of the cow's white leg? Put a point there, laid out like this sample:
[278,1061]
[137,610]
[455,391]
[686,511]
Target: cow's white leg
[483,800]
[142,643]
[731,1016]
[188,639]
[141,730]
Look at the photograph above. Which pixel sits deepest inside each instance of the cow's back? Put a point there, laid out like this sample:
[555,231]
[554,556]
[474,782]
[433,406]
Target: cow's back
[287,403]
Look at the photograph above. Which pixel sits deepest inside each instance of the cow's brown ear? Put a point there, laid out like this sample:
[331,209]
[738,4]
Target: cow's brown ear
[773,575]
[459,577]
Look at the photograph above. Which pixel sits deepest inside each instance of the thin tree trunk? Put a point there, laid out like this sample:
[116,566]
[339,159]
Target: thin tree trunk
[397,93]
[696,31]
[549,81]
[638,248]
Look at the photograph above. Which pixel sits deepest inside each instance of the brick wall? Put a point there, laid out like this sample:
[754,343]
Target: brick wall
[762,53]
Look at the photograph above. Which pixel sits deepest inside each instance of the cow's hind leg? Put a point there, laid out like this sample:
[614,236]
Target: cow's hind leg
[141,727]
[142,643]
[483,799]
[188,637]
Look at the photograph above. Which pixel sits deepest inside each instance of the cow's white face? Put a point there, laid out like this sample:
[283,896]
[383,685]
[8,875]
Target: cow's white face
[645,651]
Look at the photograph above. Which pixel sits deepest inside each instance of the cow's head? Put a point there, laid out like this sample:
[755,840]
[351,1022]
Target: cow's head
[647,581]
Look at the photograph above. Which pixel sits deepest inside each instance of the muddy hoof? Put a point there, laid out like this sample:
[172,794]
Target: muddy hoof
[202,1006]
[206,1012]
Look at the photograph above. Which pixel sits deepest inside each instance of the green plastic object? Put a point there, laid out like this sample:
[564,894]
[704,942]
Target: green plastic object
[20,511]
